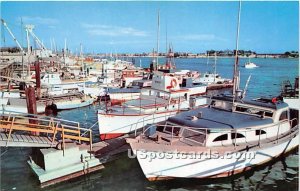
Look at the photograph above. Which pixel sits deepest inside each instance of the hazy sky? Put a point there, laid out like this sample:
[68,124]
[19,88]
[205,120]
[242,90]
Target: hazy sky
[132,26]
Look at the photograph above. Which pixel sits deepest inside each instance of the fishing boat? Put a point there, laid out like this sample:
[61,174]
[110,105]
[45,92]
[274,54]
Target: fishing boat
[165,98]
[230,136]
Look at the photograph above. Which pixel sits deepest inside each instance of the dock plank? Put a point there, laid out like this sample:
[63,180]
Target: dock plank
[34,139]
[3,136]
[41,140]
[25,138]
[20,138]
[30,140]
[14,138]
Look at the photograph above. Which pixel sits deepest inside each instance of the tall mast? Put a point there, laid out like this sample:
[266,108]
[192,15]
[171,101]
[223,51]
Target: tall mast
[215,67]
[236,63]
[157,45]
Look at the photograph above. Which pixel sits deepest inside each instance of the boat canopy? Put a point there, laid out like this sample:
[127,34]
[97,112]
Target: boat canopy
[212,118]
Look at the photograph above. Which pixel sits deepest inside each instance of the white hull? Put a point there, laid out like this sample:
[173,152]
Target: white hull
[250,65]
[123,124]
[71,104]
[120,97]
[185,166]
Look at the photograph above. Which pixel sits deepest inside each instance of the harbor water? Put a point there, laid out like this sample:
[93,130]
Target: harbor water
[126,174]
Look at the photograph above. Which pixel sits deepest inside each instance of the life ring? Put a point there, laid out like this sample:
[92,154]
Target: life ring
[173,83]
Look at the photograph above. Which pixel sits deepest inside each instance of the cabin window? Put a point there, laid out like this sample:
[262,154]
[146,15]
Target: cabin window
[221,138]
[260,132]
[169,129]
[283,116]
[238,135]
[241,109]
[269,114]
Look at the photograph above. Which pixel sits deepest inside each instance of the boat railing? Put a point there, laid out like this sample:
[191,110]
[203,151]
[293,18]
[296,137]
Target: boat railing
[292,122]
[124,108]
[173,133]
[56,130]
[150,119]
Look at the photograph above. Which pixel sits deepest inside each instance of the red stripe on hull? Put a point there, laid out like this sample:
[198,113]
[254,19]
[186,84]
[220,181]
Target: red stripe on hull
[110,136]
[117,101]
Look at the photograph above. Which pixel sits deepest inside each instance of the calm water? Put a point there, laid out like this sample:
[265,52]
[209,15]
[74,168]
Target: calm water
[125,173]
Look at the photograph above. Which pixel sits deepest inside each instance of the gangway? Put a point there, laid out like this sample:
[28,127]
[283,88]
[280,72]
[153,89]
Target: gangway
[28,130]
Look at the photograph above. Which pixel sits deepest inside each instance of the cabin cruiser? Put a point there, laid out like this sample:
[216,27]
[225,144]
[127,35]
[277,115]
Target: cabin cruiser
[212,78]
[163,99]
[226,138]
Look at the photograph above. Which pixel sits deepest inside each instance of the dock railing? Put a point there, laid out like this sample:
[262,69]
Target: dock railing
[57,130]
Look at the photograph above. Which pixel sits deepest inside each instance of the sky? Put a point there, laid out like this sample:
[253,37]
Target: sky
[131,27]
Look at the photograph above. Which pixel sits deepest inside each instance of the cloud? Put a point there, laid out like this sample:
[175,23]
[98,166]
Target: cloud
[108,30]
[40,20]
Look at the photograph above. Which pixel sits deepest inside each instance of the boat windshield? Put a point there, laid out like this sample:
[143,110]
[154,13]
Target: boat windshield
[254,111]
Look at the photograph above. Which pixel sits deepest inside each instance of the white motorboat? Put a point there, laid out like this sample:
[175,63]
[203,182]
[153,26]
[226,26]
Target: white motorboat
[250,65]
[165,98]
[221,140]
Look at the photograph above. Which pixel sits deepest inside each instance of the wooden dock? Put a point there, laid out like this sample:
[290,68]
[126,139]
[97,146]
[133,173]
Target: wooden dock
[63,149]
[21,140]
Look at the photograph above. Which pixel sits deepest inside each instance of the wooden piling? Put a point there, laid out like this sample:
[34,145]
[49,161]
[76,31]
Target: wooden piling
[38,79]
[31,104]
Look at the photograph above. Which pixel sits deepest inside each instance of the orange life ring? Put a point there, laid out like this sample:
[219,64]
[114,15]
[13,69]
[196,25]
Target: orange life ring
[173,83]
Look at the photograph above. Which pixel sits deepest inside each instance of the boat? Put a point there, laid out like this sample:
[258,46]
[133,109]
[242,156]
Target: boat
[230,136]
[53,81]
[212,79]
[250,65]
[19,105]
[221,140]
[120,95]
[163,99]
[70,101]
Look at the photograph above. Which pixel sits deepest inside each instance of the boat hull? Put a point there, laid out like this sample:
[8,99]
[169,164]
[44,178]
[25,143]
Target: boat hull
[72,104]
[172,166]
[119,98]
[111,126]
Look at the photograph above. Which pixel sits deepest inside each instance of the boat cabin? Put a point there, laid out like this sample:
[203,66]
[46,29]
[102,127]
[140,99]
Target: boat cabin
[50,79]
[225,123]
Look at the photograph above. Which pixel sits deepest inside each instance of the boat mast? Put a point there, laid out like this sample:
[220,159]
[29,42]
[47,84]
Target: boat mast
[215,67]
[236,63]
[157,43]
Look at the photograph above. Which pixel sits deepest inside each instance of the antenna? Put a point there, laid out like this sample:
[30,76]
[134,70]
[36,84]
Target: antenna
[236,73]
[246,86]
